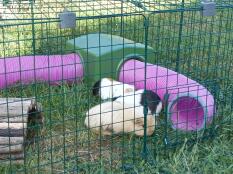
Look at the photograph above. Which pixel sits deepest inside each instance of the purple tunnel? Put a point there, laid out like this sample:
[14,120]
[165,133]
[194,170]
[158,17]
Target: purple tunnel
[46,68]
[190,105]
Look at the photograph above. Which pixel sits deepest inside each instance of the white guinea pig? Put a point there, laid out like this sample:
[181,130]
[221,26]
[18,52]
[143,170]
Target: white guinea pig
[114,118]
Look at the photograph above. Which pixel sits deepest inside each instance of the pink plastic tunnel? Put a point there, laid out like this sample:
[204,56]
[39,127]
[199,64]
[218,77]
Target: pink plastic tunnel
[46,68]
[190,105]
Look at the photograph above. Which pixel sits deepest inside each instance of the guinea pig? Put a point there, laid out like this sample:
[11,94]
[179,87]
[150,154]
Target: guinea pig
[108,88]
[113,117]
[138,98]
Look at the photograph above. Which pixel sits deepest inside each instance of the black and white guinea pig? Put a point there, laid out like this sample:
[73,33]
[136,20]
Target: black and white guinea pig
[108,88]
[138,98]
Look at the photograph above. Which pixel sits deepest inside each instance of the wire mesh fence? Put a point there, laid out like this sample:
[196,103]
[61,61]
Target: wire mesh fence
[47,75]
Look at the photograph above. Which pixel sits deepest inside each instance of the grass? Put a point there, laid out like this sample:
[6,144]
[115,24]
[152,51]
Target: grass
[65,145]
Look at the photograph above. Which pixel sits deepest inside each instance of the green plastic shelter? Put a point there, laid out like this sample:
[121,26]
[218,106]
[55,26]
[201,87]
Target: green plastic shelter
[103,54]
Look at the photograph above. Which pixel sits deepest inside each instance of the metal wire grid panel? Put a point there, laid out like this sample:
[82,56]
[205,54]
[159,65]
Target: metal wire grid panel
[182,39]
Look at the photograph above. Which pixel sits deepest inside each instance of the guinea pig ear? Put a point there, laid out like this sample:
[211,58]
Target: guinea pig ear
[96,88]
[127,90]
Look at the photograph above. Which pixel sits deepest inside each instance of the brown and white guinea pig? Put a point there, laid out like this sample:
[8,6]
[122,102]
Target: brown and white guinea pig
[108,88]
[141,97]
[113,117]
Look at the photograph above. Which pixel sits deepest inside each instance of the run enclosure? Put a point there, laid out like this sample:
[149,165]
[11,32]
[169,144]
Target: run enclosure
[200,47]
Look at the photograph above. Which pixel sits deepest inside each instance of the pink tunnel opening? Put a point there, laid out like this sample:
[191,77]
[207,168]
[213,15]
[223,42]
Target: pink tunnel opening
[186,113]
[190,105]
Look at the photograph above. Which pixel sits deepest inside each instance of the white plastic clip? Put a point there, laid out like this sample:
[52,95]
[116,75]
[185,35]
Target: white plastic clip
[209,8]
[68,19]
